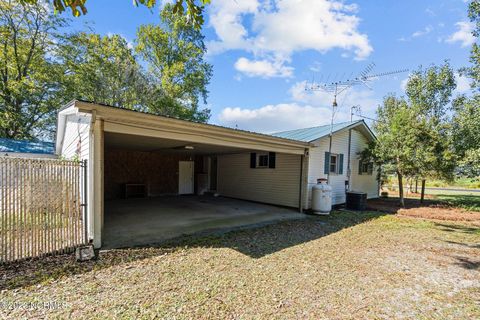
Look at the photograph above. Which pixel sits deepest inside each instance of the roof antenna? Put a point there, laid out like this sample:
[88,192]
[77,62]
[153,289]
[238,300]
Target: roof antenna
[338,86]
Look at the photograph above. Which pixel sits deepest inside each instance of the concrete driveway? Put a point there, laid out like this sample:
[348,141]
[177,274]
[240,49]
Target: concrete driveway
[134,222]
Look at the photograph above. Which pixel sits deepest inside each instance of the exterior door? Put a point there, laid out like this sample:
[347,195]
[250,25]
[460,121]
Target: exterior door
[185,177]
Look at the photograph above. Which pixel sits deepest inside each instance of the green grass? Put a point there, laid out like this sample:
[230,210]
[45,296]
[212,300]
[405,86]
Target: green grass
[467,183]
[463,183]
[468,202]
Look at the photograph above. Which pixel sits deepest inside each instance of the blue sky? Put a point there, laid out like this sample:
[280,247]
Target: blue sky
[264,51]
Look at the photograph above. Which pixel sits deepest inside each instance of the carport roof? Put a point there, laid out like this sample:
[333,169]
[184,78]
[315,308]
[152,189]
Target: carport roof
[175,118]
[121,120]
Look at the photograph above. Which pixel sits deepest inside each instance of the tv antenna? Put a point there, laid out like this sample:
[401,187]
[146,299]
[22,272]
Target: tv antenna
[339,86]
[356,110]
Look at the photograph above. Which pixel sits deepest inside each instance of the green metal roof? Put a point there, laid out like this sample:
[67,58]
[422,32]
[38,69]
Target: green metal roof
[314,133]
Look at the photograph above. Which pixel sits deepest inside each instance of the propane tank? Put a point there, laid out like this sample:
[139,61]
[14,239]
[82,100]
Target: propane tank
[322,197]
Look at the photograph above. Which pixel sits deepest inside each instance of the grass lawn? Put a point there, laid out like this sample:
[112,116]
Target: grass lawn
[345,266]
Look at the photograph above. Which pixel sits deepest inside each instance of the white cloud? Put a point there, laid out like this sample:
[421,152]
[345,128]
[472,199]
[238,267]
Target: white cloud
[263,68]
[463,84]
[463,34]
[308,109]
[273,118]
[282,27]
[403,84]
[423,32]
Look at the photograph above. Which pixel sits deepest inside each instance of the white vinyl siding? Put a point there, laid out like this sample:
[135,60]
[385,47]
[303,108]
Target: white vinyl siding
[76,140]
[278,186]
[316,168]
[365,182]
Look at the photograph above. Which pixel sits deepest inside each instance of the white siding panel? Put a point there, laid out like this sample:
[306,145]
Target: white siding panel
[278,186]
[366,182]
[317,162]
[76,140]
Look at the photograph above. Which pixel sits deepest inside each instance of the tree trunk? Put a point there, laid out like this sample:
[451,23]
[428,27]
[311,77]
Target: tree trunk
[416,185]
[400,189]
[423,191]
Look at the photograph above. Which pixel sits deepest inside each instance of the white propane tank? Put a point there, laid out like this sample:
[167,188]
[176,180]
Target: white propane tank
[322,197]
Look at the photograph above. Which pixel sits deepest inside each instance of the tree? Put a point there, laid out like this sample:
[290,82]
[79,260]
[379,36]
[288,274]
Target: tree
[174,53]
[29,76]
[467,134]
[429,93]
[397,139]
[467,109]
[193,9]
[413,133]
[103,70]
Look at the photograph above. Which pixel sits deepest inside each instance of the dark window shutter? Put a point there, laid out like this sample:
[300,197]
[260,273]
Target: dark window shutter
[340,163]
[370,168]
[253,160]
[327,163]
[271,160]
[359,167]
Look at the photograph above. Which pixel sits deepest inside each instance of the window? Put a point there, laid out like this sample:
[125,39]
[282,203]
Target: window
[262,161]
[365,167]
[333,163]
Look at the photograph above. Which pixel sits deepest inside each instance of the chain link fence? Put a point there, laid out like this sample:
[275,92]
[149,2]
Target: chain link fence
[42,207]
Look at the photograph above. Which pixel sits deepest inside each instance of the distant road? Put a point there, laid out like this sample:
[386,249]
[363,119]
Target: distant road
[451,189]
[446,189]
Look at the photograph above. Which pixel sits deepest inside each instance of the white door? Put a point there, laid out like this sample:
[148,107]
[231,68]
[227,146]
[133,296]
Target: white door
[185,177]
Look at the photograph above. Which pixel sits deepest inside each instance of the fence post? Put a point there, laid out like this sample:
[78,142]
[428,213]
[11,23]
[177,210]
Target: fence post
[85,201]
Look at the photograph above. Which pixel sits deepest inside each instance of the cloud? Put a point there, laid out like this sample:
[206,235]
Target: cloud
[423,32]
[463,84]
[273,118]
[307,109]
[463,34]
[263,68]
[280,28]
[403,84]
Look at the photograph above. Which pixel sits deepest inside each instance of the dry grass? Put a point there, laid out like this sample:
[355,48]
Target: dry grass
[438,209]
[346,266]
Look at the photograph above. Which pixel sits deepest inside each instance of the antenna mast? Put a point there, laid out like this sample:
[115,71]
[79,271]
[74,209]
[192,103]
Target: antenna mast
[339,86]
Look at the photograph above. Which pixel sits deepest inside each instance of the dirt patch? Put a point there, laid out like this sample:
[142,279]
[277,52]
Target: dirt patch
[430,209]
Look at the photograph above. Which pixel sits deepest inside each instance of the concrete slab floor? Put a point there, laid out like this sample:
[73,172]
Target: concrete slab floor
[134,222]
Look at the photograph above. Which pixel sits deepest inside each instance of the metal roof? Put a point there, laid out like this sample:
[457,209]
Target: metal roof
[25,146]
[314,133]
[72,102]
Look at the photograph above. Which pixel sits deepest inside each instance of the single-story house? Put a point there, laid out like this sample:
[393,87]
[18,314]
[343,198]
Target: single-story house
[26,148]
[135,153]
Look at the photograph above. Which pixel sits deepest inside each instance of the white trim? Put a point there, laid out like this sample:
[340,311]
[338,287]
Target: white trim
[137,123]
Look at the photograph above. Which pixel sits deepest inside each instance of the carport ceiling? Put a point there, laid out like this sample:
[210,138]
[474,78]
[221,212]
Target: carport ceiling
[150,144]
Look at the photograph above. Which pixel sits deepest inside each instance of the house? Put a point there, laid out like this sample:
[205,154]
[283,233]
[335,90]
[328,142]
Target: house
[26,149]
[130,153]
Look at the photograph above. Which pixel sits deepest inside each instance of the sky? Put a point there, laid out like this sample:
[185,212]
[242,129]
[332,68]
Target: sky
[265,53]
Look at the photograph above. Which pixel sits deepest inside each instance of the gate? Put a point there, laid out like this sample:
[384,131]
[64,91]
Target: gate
[42,207]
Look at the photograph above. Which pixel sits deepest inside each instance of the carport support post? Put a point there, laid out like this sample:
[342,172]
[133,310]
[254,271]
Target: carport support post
[303,180]
[98,156]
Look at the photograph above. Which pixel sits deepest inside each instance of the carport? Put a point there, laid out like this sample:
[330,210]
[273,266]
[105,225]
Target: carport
[153,177]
